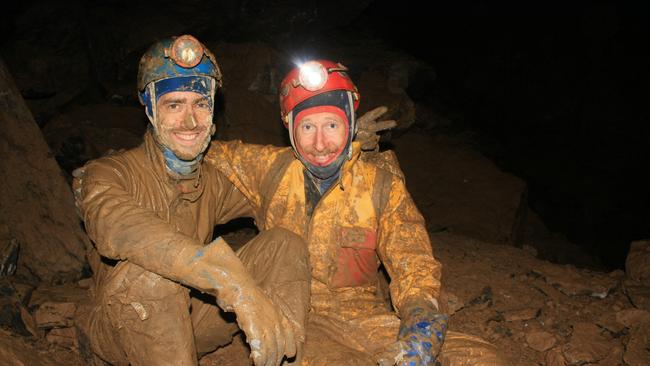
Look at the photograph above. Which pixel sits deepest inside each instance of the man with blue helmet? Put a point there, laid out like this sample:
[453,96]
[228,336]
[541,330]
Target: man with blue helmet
[161,280]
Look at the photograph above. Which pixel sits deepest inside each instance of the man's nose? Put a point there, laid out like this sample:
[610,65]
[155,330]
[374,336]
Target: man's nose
[189,122]
[319,141]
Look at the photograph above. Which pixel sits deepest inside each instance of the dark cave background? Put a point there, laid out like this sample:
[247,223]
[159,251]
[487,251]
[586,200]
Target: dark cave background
[555,93]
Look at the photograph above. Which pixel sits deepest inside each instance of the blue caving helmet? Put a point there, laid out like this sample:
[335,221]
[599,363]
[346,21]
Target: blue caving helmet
[176,63]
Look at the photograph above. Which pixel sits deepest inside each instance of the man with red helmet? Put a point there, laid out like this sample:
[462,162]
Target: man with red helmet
[355,213]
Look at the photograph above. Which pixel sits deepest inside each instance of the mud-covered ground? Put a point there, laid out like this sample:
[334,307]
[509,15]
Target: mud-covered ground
[536,312]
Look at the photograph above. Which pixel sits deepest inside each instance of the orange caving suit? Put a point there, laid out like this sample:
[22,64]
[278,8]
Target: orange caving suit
[143,220]
[365,219]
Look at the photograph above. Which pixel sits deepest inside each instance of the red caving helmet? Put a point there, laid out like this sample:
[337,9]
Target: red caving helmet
[313,78]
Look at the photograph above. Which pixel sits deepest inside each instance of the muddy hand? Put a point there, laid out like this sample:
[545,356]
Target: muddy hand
[269,334]
[421,334]
[368,127]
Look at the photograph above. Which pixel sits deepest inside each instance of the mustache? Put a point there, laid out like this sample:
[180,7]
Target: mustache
[198,128]
[314,152]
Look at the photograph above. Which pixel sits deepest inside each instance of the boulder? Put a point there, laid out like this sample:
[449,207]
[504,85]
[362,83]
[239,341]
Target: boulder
[461,191]
[36,203]
[572,281]
[637,264]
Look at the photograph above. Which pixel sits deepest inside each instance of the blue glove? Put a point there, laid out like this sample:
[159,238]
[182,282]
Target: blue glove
[421,333]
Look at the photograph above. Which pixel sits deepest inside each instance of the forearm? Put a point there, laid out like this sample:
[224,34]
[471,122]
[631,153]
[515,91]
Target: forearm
[405,250]
[245,165]
[415,274]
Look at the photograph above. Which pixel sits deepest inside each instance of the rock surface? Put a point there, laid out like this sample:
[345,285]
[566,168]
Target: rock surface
[462,192]
[36,202]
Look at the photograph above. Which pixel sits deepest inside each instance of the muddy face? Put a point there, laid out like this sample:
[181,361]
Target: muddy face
[183,123]
[321,137]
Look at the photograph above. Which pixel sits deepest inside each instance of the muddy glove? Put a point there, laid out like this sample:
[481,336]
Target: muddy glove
[268,332]
[368,126]
[421,333]
[216,269]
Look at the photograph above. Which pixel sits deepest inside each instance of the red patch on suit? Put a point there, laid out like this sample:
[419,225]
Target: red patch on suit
[357,261]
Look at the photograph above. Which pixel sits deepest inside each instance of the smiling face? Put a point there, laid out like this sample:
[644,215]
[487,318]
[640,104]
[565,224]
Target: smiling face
[183,123]
[321,137]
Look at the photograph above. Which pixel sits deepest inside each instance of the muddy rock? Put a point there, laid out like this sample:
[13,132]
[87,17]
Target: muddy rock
[637,264]
[573,282]
[637,350]
[10,309]
[632,317]
[55,306]
[66,293]
[30,323]
[63,337]
[638,294]
[449,302]
[55,315]
[36,203]
[637,269]
[17,351]
[610,322]
[588,344]
[614,357]
[555,357]
[521,314]
[540,341]
[638,323]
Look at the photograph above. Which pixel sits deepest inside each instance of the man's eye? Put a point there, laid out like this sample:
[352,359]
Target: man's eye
[334,125]
[173,106]
[203,105]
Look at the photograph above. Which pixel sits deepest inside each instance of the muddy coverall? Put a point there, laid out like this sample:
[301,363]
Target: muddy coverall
[366,219]
[152,303]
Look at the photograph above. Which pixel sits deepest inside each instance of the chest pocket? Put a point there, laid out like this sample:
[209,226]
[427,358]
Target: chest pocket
[357,262]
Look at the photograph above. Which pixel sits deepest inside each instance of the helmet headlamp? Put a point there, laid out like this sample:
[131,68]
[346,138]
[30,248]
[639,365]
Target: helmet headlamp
[186,51]
[312,78]
[312,75]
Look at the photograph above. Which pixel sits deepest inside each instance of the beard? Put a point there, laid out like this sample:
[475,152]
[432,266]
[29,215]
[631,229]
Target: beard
[315,157]
[169,139]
